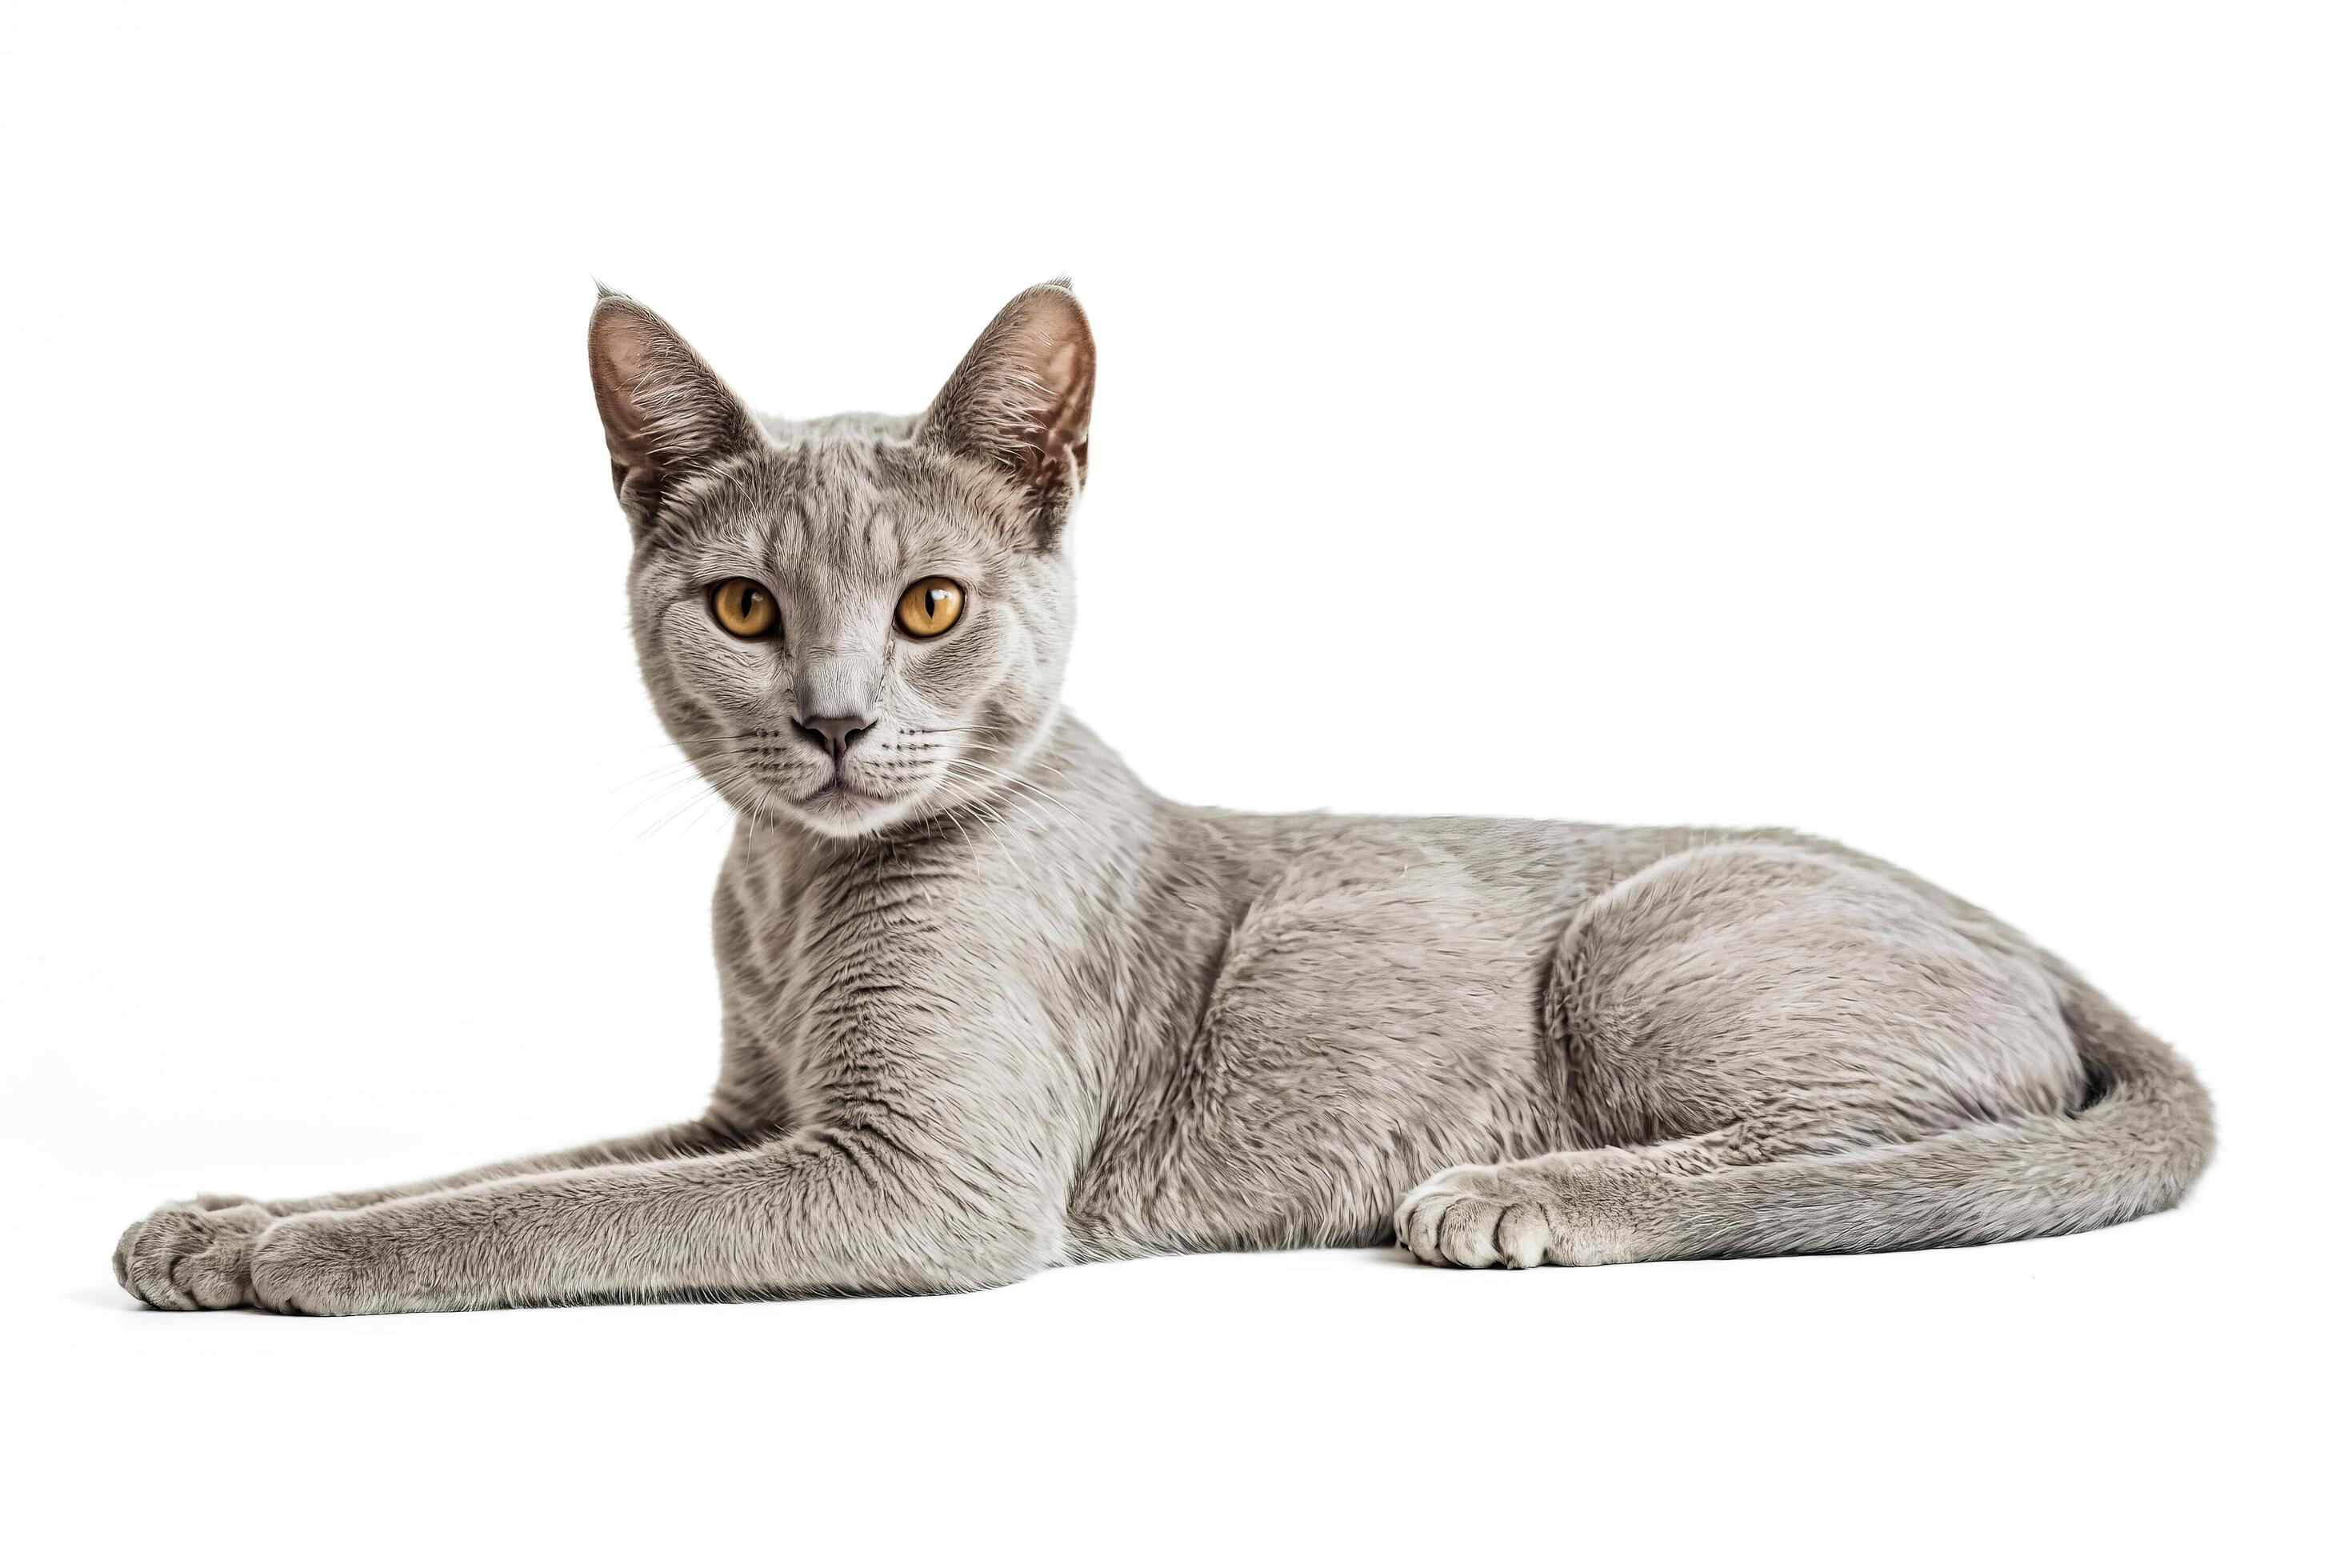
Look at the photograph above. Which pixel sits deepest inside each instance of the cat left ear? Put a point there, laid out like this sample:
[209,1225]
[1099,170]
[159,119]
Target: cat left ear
[665,413]
[1022,401]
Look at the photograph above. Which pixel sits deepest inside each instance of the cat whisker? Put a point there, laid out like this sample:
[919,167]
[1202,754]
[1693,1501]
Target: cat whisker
[1020,789]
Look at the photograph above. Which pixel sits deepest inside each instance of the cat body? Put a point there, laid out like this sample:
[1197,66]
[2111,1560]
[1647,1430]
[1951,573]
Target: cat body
[991,1005]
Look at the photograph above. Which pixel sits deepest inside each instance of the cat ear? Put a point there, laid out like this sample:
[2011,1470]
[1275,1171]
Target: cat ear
[1021,399]
[667,414]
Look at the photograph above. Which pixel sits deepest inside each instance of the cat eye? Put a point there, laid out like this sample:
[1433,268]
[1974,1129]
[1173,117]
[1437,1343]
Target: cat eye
[744,607]
[929,608]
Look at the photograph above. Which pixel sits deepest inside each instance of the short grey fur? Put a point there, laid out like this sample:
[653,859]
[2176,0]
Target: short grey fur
[991,1005]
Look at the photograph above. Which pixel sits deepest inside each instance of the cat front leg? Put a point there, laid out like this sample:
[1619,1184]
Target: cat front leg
[681,1141]
[197,1254]
[810,1214]
[186,1255]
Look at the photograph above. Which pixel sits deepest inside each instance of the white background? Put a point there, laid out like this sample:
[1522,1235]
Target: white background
[1919,425]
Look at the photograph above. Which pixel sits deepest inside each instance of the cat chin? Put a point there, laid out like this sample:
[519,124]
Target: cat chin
[839,812]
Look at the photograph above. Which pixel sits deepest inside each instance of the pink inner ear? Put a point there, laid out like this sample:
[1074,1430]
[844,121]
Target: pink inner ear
[624,357]
[664,410]
[1066,371]
[1022,397]
[619,368]
[1061,423]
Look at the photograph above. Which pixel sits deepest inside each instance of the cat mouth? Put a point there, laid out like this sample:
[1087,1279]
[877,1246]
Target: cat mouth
[838,794]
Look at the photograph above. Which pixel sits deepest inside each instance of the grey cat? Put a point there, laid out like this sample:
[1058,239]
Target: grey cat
[991,1005]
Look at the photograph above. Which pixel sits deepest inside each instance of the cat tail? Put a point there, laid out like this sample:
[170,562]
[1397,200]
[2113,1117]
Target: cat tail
[2134,1147]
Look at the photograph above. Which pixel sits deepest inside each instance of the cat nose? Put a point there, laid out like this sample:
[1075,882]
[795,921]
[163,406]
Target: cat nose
[836,735]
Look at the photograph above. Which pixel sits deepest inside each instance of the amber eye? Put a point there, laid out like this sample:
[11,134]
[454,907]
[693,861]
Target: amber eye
[929,608]
[744,607]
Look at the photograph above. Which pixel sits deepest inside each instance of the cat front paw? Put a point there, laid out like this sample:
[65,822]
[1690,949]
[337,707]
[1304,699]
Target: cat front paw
[191,1257]
[325,1265]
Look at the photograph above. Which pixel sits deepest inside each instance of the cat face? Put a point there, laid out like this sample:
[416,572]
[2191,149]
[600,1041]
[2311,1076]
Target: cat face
[852,622]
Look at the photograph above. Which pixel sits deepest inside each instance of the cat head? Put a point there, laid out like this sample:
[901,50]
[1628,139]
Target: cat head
[862,620]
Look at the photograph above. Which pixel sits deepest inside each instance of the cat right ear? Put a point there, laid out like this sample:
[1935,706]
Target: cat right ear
[665,413]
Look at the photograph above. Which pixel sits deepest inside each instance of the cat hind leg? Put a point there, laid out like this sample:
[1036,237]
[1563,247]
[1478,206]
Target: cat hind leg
[1576,1207]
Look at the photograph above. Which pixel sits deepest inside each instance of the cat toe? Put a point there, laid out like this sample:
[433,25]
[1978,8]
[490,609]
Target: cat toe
[183,1258]
[1450,1221]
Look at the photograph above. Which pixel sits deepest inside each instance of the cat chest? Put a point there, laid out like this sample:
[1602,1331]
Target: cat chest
[811,979]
